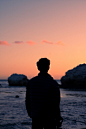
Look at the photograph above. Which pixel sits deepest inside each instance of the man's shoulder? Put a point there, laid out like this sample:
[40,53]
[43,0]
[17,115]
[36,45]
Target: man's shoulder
[46,79]
[52,80]
[33,78]
[31,81]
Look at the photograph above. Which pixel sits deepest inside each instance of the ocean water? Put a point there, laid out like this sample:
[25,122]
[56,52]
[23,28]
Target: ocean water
[13,114]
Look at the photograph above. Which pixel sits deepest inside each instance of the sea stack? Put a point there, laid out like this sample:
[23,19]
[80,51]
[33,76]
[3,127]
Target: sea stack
[75,78]
[17,80]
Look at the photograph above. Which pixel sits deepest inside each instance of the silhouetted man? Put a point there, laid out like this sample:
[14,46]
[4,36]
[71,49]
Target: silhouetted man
[43,99]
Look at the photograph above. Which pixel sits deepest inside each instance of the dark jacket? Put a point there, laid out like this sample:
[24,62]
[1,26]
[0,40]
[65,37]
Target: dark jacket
[43,97]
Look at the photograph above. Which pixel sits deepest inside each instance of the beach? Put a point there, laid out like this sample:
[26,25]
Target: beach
[13,114]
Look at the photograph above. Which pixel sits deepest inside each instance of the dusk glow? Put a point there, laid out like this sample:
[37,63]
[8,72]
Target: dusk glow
[30,30]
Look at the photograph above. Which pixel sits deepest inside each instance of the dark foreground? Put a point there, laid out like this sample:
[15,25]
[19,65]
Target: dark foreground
[13,114]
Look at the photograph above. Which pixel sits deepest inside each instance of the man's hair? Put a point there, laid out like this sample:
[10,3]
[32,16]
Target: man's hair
[43,64]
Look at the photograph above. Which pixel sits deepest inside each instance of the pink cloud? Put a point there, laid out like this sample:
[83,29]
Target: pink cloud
[4,43]
[45,41]
[18,42]
[31,43]
[60,43]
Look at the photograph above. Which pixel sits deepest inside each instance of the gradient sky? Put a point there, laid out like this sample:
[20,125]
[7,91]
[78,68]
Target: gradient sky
[33,29]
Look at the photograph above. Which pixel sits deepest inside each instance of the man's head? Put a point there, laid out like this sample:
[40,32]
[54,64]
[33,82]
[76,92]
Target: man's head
[43,64]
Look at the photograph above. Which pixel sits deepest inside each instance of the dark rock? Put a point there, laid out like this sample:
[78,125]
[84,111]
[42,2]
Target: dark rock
[17,96]
[75,78]
[17,80]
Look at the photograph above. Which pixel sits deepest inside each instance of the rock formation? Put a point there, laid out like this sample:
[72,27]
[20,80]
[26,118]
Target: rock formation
[75,78]
[17,80]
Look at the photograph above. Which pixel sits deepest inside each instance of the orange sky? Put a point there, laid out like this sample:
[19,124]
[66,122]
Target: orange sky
[33,29]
